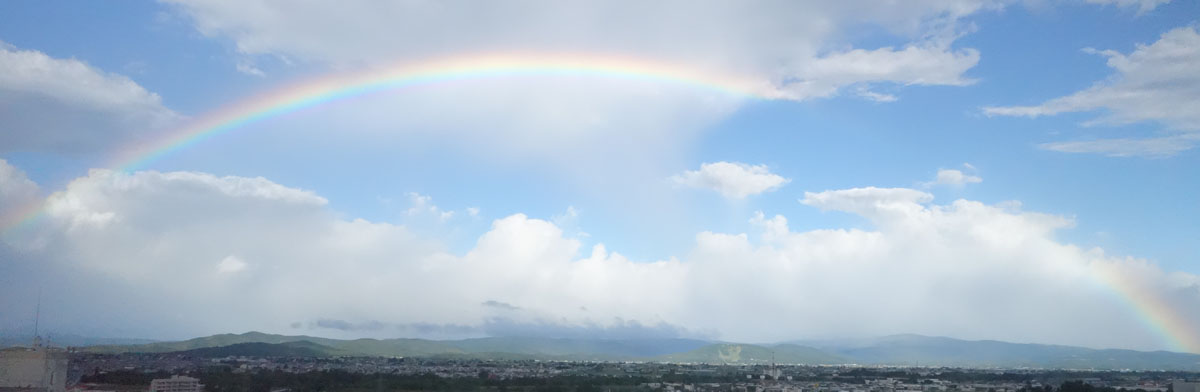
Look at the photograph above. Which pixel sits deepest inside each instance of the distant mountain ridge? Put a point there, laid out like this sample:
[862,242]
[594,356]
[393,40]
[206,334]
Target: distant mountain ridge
[304,349]
[888,350]
[492,347]
[909,349]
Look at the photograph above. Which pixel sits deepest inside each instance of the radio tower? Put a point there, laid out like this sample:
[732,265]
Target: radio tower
[37,316]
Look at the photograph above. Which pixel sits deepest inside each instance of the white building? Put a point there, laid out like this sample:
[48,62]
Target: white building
[38,368]
[176,384]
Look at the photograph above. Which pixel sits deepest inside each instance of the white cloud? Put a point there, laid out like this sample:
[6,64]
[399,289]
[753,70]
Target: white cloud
[1154,147]
[1155,82]
[798,50]
[913,65]
[577,124]
[792,46]
[1143,6]
[570,217]
[963,269]
[568,222]
[869,201]
[51,104]
[955,177]
[231,264]
[17,187]
[422,205]
[733,180]
[247,67]
[18,195]
[785,49]
[877,97]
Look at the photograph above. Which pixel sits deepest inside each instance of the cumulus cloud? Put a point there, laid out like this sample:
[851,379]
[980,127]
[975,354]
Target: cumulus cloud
[305,257]
[1155,83]
[963,269]
[568,222]
[230,264]
[423,205]
[955,177]
[53,104]
[16,186]
[733,180]
[18,195]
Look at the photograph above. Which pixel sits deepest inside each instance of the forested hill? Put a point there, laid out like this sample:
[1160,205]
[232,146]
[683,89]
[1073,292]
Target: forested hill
[889,350]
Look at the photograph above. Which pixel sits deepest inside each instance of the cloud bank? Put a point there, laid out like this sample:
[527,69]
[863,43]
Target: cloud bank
[200,249]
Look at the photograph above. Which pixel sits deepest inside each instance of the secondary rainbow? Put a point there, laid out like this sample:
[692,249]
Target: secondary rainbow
[1155,313]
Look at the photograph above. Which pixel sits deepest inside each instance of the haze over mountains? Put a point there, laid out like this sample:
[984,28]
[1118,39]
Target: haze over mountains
[904,350]
[62,339]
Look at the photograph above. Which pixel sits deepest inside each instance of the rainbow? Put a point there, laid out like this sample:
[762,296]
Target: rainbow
[340,87]
[1153,312]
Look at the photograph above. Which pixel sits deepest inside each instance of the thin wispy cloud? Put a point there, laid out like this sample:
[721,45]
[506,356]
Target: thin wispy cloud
[1155,83]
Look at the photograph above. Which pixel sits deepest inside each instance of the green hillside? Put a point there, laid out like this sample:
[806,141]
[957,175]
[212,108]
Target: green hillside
[357,347]
[890,350]
[495,348]
[202,342]
[289,349]
[586,349]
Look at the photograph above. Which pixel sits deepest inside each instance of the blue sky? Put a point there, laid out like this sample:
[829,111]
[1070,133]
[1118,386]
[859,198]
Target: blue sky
[446,164]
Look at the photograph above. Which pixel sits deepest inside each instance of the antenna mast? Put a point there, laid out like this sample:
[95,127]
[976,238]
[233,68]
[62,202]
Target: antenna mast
[37,316]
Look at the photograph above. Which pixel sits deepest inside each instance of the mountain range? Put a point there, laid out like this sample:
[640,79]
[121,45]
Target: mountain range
[905,350]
